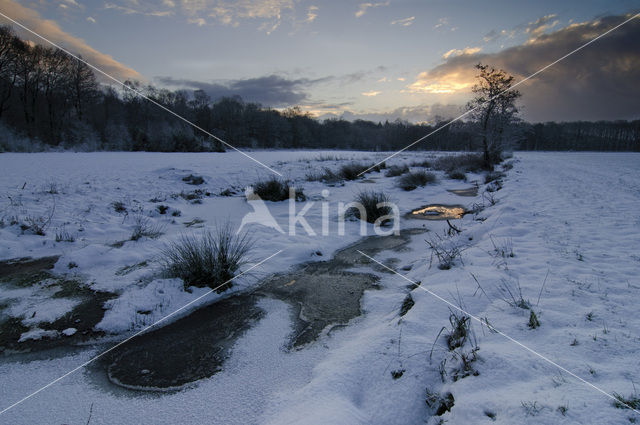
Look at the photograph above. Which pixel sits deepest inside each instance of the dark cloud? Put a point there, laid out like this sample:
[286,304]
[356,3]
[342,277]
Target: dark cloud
[420,113]
[271,90]
[324,105]
[598,82]
[354,77]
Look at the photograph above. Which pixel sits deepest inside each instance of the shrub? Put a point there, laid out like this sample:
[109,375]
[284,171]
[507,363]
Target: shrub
[470,163]
[457,174]
[492,176]
[416,179]
[424,164]
[275,190]
[397,170]
[370,201]
[211,259]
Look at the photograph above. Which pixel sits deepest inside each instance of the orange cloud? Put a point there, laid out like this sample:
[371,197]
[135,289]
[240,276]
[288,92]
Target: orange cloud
[51,30]
[447,83]
[460,52]
[540,26]
[598,82]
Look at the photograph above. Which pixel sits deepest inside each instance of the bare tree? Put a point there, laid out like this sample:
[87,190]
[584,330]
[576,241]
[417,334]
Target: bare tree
[84,86]
[494,107]
[8,72]
[54,64]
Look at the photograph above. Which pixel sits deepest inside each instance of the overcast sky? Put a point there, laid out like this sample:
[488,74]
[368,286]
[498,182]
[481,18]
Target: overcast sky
[381,60]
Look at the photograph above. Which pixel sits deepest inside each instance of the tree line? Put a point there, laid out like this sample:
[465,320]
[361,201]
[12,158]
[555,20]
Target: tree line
[51,100]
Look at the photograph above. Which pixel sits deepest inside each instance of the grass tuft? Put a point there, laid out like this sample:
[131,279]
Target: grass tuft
[460,326]
[36,225]
[119,207]
[63,235]
[144,227]
[533,320]
[351,171]
[276,190]
[193,180]
[396,170]
[411,181]
[209,260]
[441,404]
[457,174]
[407,304]
[326,176]
[446,250]
[371,201]
[633,401]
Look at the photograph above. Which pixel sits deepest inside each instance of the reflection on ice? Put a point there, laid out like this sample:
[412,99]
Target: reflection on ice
[438,212]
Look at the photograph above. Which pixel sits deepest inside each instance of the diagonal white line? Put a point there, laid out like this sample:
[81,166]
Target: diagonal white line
[502,92]
[136,334]
[500,332]
[159,105]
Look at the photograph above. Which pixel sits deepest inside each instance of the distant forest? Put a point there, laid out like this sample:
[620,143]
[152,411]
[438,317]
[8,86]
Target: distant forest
[49,100]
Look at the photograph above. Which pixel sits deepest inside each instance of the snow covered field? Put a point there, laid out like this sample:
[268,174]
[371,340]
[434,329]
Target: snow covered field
[562,238]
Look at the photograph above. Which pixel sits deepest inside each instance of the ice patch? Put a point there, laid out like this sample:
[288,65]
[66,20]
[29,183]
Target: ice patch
[37,334]
[69,331]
